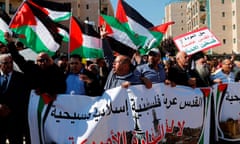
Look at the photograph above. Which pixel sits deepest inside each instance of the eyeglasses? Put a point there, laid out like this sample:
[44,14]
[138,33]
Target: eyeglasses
[42,60]
[229,64]
[6,63]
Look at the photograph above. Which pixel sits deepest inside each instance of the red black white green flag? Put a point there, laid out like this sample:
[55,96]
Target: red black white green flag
[132,19]
[41,33]
[84,40]
[4,21]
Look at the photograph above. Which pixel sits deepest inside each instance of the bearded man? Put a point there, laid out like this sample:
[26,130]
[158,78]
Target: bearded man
[200,70]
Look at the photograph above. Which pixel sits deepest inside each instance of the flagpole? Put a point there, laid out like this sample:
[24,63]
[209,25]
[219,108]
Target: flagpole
[70,24]
[98,26]
[15,15]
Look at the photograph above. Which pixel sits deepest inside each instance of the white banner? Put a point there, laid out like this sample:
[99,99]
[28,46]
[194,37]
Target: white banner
[134,115]
[227,112]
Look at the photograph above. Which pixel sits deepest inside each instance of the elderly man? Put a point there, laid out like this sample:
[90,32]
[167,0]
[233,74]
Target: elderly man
[13,102]
[122,75]
[200,70]
[153,69]
[225,73]
[178,74]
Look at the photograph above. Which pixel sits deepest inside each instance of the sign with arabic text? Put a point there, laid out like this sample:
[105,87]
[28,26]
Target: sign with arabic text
[195,41]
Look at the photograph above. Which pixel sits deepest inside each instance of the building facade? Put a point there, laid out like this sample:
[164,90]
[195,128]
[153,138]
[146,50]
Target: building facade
[176,11]
[224,23]
[220,16]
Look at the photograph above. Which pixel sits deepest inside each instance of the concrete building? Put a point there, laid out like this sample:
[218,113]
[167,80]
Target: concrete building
[176,11]
[89,10]
[224,22]
[10,6]
[220,16]
[196,14]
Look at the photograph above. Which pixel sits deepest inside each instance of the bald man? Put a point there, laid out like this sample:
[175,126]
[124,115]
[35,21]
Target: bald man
[122,75]
[178,73]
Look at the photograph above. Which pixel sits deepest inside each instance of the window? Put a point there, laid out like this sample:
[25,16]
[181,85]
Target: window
[234,40]
[223,27]
[224,41]
[78,5]
[87,6]
[223,14]
[233,13]
[234,26]
[222,1]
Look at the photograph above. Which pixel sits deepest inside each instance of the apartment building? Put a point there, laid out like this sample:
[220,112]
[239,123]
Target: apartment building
[224,22]
[220,16]
[176,11]
[89,10]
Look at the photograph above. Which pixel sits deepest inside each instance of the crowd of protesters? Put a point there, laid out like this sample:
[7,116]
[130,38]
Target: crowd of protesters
[49,76]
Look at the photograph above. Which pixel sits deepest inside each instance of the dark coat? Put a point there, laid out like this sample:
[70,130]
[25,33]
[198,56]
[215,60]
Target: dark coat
[50,80]
[16,98]
[200,82]
[177,75]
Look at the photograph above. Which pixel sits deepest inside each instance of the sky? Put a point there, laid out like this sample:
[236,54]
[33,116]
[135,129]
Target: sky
[152,10]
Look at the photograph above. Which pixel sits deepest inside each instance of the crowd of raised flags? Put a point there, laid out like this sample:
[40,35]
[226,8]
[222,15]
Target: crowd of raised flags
[38,26]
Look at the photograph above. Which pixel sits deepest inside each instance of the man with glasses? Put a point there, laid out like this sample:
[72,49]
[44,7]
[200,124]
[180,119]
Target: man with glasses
[122,74]
[225,73]
[44,76]
[13,102]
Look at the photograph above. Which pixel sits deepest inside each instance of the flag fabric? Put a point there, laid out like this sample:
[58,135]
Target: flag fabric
[84,40]
[119,38]
[119,32]
[56,11]
[162,28]
[63,31]
[4,21]
[139,25]
[41,33]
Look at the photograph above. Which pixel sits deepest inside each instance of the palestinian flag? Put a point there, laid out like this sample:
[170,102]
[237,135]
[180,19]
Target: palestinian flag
[162,28]
[119,37]
[84,40]
[56,11]
[63,31]
[41,33]
[138,25]
[4,21]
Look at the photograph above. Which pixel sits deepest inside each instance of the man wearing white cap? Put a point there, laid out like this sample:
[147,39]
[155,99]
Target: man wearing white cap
[153,70]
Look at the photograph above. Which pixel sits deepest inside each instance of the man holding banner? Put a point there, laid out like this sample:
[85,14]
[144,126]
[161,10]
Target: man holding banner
[121,74]
[178,74]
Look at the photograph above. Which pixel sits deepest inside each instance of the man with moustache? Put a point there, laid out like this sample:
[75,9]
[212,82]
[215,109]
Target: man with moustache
[122,74]
[200,70]
[178,74]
